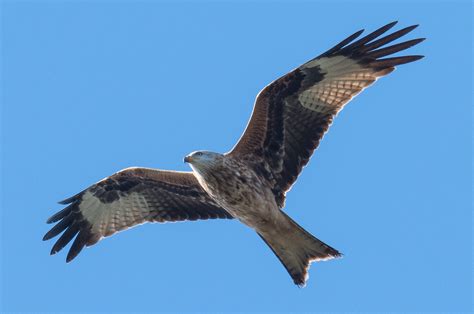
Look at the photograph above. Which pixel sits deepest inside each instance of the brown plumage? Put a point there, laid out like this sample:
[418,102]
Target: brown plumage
[128,198]
[249,183]
[284,133]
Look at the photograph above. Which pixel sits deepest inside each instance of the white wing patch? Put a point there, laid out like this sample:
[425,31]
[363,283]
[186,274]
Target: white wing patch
[109,218]
[343,79]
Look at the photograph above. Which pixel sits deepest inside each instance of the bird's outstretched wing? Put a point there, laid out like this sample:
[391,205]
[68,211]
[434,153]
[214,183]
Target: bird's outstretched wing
[130,197]
[292,114]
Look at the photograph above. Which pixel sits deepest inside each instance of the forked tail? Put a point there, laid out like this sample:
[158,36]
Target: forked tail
[296,249]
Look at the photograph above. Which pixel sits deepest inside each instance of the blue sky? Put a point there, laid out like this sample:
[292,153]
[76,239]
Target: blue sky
[89,88]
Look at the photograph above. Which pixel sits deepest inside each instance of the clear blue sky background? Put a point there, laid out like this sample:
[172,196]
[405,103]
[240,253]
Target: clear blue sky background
[91,88]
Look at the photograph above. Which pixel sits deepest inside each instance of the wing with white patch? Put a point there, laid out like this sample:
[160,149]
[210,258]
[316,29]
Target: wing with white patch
[292,114]
[128,198]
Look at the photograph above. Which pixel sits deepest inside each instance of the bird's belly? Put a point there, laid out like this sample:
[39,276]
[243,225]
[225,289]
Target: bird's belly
[255,207]
[243,193]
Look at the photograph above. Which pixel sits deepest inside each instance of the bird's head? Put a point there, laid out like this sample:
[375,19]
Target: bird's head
[202,160]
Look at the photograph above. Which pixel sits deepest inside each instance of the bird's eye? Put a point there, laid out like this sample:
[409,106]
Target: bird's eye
[199,154]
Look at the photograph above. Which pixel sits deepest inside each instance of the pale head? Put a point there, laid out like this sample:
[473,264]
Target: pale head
[202,160]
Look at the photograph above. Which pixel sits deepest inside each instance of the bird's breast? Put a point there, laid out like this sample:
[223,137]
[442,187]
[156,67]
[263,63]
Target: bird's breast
[242,193]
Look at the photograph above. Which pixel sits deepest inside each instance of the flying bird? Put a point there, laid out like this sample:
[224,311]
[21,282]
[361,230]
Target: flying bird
[250,182]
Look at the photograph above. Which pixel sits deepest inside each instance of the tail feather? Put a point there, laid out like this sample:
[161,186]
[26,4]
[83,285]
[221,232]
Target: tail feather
[296,249]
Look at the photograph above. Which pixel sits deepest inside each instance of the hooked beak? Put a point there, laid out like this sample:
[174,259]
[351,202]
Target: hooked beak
[187,159]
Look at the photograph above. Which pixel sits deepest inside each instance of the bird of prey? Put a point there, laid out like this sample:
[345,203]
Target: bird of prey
[248,183]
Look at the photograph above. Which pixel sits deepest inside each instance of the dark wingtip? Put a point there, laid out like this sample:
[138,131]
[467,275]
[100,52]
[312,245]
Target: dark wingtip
[67,200]
[342,44]
[72,198]
[80,241]
[58,216]
[390,25]
[410,28]
[415,57]
[61,214]
[358,33]
[349,39]
[72,254]
[69,258]
[395,61]
[53,232]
